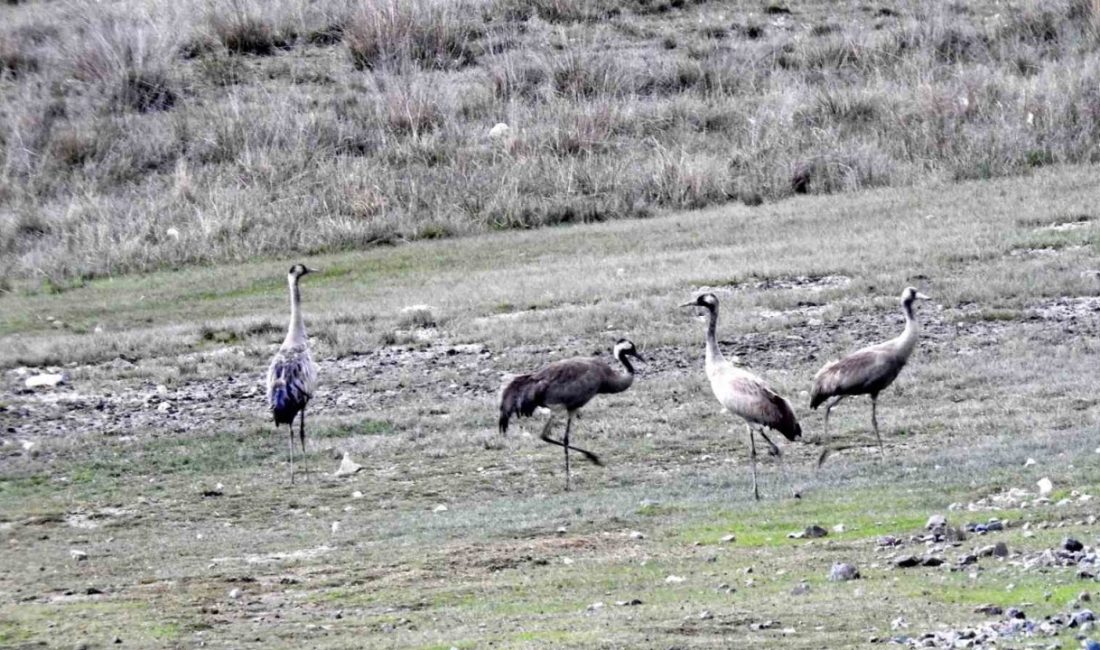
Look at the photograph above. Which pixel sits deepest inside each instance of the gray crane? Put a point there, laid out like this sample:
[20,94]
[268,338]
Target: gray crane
[292,376]
[868,371]
[746,395]
[566,385]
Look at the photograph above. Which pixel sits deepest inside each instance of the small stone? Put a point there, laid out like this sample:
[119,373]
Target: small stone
[335,527]
[842,572]
[634,534]
[561,530]
[1081,617]
[705,615]
[1084,597]
[1072,545]
[440,508]
[164,407]
[1000,549]
[800,589]
[1029,462]
[995,525]
[78,554]
[935,521]
[357,495]
[46,380]
[1045,486]
[347,466]
[907,561]
[628,603]
[674,579]
[234,594]
[593,607]
[814,531]
[1015,612]
[839,528]
[932,560]
[989,610]
[726,539]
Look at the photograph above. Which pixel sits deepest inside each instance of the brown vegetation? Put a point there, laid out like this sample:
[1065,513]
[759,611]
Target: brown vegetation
[327,126]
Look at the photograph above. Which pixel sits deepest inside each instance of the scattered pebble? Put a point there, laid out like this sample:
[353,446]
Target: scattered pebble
[347,466]
[78,554]
[842,572]
[674,579]
[1045,487]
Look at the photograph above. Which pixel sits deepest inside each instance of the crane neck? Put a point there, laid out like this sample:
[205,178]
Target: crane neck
[618,383]
[296,332]
[714,355]
[909,336]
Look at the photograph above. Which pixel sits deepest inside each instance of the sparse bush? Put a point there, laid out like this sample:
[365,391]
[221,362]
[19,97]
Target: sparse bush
[242,31]
[397,33]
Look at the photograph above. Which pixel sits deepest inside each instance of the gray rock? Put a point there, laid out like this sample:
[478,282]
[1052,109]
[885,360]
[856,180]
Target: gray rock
[814,531]
[1000,549]
[936,521]
[932,560]
[907,561]
[989,610]
[46,380]
[1072,545]
[1082,617]
[1015,612]
[842,572]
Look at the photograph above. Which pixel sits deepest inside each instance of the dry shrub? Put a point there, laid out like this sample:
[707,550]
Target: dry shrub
[243,31]
[16,59]
[401,33]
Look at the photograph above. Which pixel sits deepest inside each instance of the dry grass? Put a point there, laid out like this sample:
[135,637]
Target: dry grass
[330,125]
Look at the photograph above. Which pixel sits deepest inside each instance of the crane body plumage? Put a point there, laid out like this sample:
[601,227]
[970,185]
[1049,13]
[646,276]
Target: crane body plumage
[744,394]
[292,375]
[867,371]
[566,385]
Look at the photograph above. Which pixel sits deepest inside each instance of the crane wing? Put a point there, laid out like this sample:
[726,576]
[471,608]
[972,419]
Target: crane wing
[291,379]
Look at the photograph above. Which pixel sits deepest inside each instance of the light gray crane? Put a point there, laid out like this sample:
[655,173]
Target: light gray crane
[292,375]
[566,385]
[868,371]
[744,394]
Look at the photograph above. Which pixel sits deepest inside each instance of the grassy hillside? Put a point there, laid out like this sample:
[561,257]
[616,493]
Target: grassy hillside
[137,135]
[158,462]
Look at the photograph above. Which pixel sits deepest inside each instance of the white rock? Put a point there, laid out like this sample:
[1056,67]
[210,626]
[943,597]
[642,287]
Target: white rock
[725,539]
[440,508]
[839,528]
[162,389]
[335,527]
[357,495]
[46,380]
[164,407]
[1045,486]
[500,131]
[78,554]
[347,466]
[594,606]
[674,579]
[1029,462]
[636,534]
[234,593]
[173,233]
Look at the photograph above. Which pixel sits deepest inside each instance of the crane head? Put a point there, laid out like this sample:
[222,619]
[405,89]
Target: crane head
[910,294]
[707,300]
[626,347]
[298,270]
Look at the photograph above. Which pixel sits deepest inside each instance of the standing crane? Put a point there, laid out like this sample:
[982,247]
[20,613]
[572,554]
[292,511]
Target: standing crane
[868,371]
[744,394]
[292,375]
[566,385]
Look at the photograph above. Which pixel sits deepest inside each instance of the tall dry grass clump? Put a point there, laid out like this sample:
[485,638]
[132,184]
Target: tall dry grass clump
[423,33]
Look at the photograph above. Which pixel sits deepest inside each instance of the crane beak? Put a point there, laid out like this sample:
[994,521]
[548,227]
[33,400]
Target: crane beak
[638,357]
[923,297]
[309,270]
[689,304]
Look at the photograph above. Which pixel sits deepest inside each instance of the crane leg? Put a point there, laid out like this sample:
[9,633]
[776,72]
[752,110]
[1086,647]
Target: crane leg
[589,456]
[874,423]
[302,430]
[775,451]
[825,436]
[292,453]
[565,446]
[752,462]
